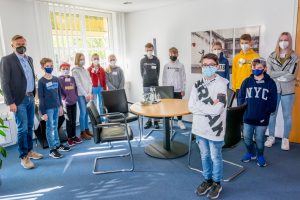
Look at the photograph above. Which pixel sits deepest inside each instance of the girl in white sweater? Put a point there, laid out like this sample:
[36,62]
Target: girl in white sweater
[208,105]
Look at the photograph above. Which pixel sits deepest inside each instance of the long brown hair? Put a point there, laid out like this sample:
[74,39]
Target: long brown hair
[289,49]
[77,58]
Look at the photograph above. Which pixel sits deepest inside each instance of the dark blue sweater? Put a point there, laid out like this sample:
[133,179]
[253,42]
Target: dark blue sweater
[224,67]
[49,94]
[261,99]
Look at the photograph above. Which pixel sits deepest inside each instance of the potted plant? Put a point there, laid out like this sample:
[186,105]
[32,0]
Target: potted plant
[3,152]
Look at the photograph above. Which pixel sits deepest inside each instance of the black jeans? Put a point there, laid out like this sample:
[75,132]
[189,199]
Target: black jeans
[71,120]
[177,95]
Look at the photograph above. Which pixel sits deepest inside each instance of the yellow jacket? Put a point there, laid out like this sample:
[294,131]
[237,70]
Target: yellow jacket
[241,67]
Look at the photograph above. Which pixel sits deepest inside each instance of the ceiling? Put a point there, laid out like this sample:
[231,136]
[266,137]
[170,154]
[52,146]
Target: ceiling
[118,5]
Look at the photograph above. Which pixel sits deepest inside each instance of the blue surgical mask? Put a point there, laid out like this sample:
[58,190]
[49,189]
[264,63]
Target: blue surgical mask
[257,72]
[48,70]
[209,71]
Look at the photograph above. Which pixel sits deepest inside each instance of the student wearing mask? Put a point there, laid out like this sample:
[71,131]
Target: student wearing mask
[223,70]
[18,87]
[260,94]
[150,69]
[84,88]
[282,67]
[97,75]
[241,63]
[208,104]
[69,96]
[50,105]
[174,75]
[114,74]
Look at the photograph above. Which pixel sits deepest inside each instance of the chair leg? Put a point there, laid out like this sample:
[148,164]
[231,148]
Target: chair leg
[172,130]
[236,174]
[140,127]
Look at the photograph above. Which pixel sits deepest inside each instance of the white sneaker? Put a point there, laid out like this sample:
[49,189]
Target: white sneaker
[270,141]
[181,124]
[285,144]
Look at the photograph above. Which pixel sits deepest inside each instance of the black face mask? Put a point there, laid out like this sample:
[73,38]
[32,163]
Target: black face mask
[173,58]
[21,50]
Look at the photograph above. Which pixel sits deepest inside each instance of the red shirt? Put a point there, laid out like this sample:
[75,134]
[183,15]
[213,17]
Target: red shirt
[97,76]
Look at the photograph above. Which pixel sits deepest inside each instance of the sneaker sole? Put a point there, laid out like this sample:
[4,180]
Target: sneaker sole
[261,165]
[27,167]
[203,193]
[55,157]
[217,195]
[35,158]
[64,150]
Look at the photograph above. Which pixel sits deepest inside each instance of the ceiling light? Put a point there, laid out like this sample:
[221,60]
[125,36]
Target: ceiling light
[127,3]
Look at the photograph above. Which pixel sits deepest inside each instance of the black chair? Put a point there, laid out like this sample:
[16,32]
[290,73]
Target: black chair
[116,101]
[165,92]
[230,97]
[232,137]
[109,132]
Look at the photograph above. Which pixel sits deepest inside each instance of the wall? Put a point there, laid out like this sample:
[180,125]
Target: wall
[172,26]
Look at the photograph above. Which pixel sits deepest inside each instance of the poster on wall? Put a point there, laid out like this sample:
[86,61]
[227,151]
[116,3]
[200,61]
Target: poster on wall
[230,38]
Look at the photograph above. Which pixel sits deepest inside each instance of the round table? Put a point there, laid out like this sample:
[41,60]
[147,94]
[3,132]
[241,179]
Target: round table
[166,109]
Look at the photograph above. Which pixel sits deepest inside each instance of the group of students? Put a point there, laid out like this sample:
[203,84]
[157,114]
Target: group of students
[61,94]
[260,84]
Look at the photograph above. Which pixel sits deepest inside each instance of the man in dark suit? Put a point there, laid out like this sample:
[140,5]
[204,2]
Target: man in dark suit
[18,85]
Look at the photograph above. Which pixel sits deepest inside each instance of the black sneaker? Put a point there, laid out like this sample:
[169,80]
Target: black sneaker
[55,154]
[204,187]
[63,148]
[215,190]
[156,126]
[148,124]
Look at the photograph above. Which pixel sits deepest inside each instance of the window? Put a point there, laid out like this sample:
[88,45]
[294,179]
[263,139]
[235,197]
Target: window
[79,30]
[2,51]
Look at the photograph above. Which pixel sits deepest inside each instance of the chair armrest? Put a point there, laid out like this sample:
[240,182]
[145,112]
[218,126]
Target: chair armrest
[109,125]
[105,109]
[129,102]
[113,115]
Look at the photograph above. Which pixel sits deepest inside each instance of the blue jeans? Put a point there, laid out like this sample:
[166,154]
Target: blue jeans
[83,116]
[24,119]
[259,131]
[52,128]
[96,91]
[211,156]
[287,102]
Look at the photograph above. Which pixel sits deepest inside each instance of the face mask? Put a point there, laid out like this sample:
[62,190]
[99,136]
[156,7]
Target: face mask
[81,63]
[173,58]
[49,70]
[65,72]
[257,72]
[95,62]
[21,50]
[283,44]
[209,71]
[112,63]
[149,54]
[245,47]
[217,52]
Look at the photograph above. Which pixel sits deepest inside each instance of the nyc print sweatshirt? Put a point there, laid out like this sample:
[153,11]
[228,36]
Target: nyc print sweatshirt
[209,120]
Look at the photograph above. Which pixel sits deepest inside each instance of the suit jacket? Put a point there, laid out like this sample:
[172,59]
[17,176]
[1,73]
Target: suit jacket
[13,80]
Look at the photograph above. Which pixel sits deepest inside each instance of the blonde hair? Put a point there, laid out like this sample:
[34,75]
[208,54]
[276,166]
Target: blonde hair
[109,68]
[173,50]
[289,48]
[95,55]
[77,58]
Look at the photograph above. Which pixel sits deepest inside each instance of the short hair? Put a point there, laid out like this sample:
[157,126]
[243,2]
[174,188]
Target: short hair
[260,60]
[77,58]
[45,60]
[210,56]
[217,43]
[95,54]
[173,50]
[246,36]
[16,37]
[149,45]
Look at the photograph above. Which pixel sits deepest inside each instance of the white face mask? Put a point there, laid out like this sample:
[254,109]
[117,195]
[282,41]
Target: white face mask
[149,54]
[283,44]
[217,52]
[65,72]
[81,63]
[112,63]
[245,47]
[95,62]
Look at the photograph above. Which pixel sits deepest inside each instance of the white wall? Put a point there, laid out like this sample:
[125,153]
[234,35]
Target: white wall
[172,26]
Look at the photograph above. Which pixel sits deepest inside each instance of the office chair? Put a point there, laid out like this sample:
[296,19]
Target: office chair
[232,137]
[109,132]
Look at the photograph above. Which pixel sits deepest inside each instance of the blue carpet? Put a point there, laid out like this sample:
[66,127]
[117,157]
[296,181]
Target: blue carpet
[71,177]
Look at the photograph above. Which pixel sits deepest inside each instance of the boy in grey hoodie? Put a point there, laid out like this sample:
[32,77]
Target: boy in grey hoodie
[150,68]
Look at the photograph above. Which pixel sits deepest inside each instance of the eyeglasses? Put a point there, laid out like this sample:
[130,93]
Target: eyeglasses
[209,65]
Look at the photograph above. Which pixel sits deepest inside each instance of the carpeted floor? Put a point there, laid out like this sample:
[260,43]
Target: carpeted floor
[71,177]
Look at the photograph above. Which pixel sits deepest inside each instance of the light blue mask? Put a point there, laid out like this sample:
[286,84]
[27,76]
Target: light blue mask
[209,71]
